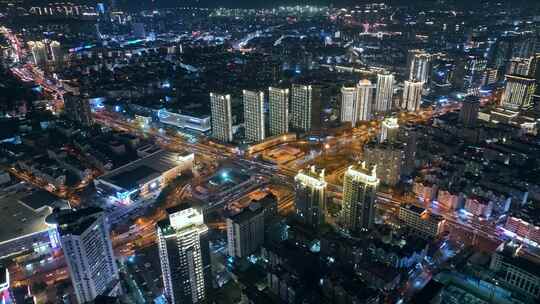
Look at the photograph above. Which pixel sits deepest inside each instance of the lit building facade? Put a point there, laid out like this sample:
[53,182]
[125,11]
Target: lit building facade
[365,99]
[448,200]
[245,231]
[84,235]
[254,115]
[305,107]
[144,178]
[515,271]
[220,106]
[349,105]
[384,93]
[39,52]
[412,96]
[523,229]
[310,199]
[57,54]
[521,66]
[278,108]
[420,67]
[359,189]
[184,254]
[389,159]
[389,130]
[518,92]
[479,206]
[427,224]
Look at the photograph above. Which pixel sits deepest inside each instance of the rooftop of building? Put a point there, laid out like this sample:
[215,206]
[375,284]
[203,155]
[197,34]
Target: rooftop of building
[414,208]
[39,199]
[71,221]
[509,256]
[21,219]
[246,214]
[138,172]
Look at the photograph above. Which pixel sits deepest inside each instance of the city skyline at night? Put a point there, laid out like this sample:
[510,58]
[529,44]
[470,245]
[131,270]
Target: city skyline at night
[295,151]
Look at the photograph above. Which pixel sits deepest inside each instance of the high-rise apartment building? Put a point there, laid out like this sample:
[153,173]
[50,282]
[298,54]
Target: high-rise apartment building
[420,67]
[39,52]
[184,255]
[475,68]
[389,130]
[365,99]
[245,231]
[389,159]
[278,104]
[359,189]
[468,115]
[310,199]
[84,235]
[412,96]
[518,92]
[78,109]
[221,110]
[305,107]
[521,66]
[57,54]
[408,134]
[349,105]
[384,93]
[254,115]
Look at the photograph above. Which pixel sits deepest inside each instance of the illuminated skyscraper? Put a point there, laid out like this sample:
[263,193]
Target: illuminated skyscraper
[420,67]
[310,199]
[518,92]
[359,189]
[411,54]
[57,53]
[468,115]
[184,254]
[384,93]
[254,115]
[364,97]
[278,100]
[84,235]
[305,107]
[39,52]
[389,130]
[221,117]
[474,68]
[490,76]
[349,105]
[521,66]
[412,96]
